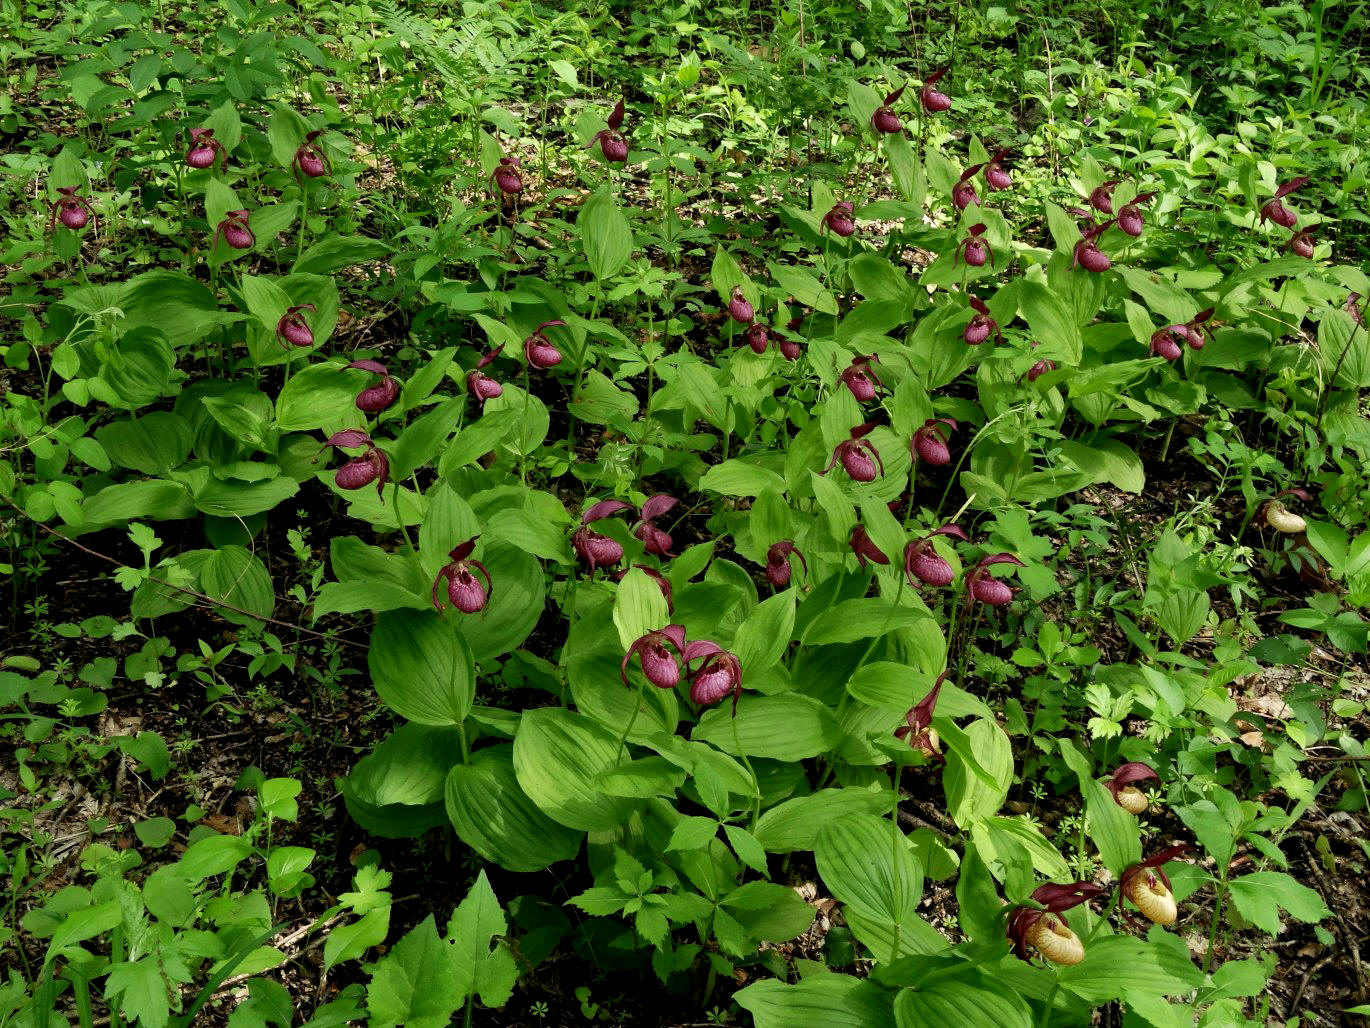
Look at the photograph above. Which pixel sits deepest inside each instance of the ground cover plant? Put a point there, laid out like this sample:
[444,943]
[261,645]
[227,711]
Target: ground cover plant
[795,514]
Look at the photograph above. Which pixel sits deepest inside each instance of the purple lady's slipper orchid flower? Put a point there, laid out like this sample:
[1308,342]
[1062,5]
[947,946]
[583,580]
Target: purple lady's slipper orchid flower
[1087,252]
[292,329]
[718,674]
[884,119]
[934,102]
[1194,328]
[1042,928]
[839,220]
[1147,886]
[598,551]
[653,650]
[311,160]
[205,150]
[1101,198]
[974,249]
[1277,211]
[235,230]
[1165,342]
[506,176]
[857,377]
[1355,308]
[740,308]
[480,385]
[928,444]
[657,577]
[1130,218]
[1039,369]
[611,142]
[538,349]
[922,563]
[917,728]
[1125,793]
[464,589]
[758,337]
[995,175]
[980,586]
[982,325]
[789,348]
[359,472]
[857,456]
[71,209]
[963,194]
[1301,243]
[865,550]
[654,540]
[778,565]
[382,395]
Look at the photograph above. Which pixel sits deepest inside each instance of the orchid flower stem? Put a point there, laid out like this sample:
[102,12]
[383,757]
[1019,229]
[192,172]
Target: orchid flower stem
[404,529]
[628,730]
[1213,923]
[756,782]
[304,220]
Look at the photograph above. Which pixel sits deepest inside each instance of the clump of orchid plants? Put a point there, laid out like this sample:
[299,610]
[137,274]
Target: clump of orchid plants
[660,666]
[292,329]
[981,326]
[539,351]
[929,443]
[980,585]
[311,160]
[1087,252]
[507,175]
[72,209]
[480,385]
[464,589]
[598,551]
[917,728]
[1274,208]
[235,230]
[923,565]
[1042,928]
[359,472]
[611,142]
[858,456]
[934,102]
[779,565]
[654,540]
[974,250]
[839,219]
[860,378]
[1147,886]
[884,119]
[382,395]
[1121,784]
[205,150]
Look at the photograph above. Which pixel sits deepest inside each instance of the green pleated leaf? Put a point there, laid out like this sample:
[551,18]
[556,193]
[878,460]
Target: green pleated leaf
[422,667]
[557,754]
[495,817]
[786,726]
